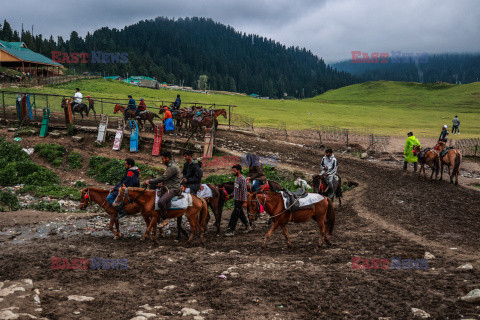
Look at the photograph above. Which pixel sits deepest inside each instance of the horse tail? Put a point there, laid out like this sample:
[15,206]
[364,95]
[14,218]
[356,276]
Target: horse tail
[456,167]
[330,215]
[203,214]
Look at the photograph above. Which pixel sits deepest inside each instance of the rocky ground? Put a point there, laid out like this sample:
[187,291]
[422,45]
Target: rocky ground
[389,215]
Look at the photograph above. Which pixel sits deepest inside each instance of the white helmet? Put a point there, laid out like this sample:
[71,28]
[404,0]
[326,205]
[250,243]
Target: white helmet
[445,126]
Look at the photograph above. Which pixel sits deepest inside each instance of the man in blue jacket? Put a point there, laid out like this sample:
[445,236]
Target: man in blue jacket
[130,179]
[131,106]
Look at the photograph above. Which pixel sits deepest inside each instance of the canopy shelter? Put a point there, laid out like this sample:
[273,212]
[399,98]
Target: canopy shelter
[16,55]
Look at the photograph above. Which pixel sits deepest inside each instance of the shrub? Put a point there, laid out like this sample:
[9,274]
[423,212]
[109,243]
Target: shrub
[11,152]
[71,129]
[8,200]
[51,152]
[47,206]
[80,184]
[53,191]
[74,160]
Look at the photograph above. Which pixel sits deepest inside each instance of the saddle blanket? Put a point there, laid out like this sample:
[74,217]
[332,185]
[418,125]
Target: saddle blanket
[205,193]
[310,199]
[182,203]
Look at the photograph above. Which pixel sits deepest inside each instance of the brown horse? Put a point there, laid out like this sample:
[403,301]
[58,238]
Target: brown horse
[272,203]
[99,196]
[196,214]
[209,119]
[130,114]
[452,158]
[429,157]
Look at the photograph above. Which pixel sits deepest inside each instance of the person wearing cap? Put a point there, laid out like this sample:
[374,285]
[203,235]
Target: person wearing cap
[456,125]
[410,157]
[167,120]
[141,107]
[444,134]
[91,105]
[329,167]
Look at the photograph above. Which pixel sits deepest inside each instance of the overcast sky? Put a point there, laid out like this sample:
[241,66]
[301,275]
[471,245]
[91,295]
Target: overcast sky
[329,28]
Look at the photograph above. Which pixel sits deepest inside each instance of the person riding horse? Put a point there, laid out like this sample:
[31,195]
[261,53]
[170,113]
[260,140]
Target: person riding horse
[171,179]
[444,134]
[329,170]
[141,107]
[131,106]
[130,179]
[192,174]
[77,99]
[255,172]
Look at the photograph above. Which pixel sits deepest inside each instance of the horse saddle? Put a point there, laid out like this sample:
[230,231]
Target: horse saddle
[160,192]
[143,111]
[423,152]
[198,117]
[445,151]
[292,198]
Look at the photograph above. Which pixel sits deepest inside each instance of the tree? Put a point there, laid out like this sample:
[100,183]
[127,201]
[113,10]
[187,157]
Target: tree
[202,82]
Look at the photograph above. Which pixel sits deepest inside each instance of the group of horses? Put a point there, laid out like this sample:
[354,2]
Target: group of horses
[268,200]
[192,118]
[437,158]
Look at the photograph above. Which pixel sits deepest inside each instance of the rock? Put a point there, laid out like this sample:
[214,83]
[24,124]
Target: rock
[349,149]
[234,274]
[299,262]
[12,129]
[76,312]
[234,251]
[428,256]
[364,155]
[192,301]
[54,134]
[467,266]
[80,298]
[473,296]
[171,287]
[419,313]
[198,318]
[77,138]
[145,315]
[207,311]
[190,312]
[139,318]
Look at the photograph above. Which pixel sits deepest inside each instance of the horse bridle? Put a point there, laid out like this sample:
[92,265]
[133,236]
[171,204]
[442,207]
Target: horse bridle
[125,194]
[87,198]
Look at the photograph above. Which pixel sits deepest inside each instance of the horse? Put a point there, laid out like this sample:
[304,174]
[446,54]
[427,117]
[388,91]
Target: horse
[99,196]
[213,203]
[320,185]
[196,214]
[78,108]
[209,119]
[272,203]
[145,116]
[429,157]
[452,157]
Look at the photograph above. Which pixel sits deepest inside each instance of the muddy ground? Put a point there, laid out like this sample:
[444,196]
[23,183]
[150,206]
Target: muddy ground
[390,214]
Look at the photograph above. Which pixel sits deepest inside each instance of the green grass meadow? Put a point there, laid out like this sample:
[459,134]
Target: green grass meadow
[385,107]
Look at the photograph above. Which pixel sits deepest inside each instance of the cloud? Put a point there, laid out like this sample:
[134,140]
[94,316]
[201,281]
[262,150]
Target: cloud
[329,28]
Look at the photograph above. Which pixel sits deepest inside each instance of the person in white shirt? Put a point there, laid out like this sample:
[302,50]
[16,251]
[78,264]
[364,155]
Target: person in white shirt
[77,98]
[329,167]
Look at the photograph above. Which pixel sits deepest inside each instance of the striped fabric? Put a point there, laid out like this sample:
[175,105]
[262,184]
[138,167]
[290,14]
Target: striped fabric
[240,189]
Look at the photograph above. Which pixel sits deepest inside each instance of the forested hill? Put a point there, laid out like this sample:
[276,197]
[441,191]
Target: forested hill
[451,68]
[183,49]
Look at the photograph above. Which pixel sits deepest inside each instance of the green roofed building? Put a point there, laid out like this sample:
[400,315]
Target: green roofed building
[16,56]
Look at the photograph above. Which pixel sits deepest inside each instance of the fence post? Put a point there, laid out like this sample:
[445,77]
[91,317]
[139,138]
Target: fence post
[101,104]
[47,101]
[35,107]
[346,132]
[476,147]
[3,103]
[229,116]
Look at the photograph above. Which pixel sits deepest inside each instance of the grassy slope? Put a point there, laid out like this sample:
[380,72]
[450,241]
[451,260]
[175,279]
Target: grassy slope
[392,108]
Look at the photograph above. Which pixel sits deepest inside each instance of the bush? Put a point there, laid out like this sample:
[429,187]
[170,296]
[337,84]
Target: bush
[52,191]
[47,206]
[71,129]
[74,160]
[80,184]
[51,152]
[11,152]
[8,200]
